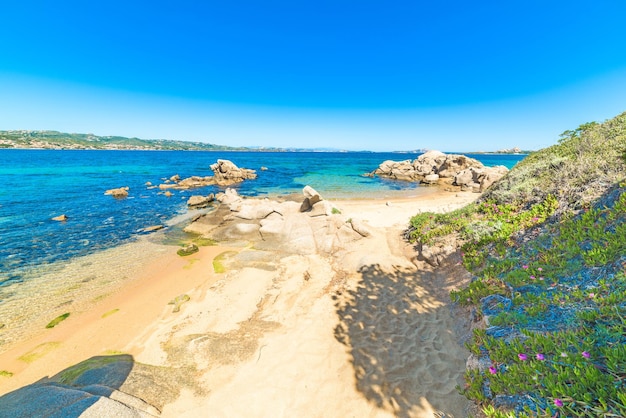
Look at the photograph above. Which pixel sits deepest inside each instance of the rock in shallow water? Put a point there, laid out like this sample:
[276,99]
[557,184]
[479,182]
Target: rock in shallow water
[433,167]
[200,201]
[118,193]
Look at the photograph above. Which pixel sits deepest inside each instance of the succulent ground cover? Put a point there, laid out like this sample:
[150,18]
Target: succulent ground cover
[550,280]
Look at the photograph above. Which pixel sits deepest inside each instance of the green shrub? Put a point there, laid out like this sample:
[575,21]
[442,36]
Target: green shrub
[577,170]
[551,238]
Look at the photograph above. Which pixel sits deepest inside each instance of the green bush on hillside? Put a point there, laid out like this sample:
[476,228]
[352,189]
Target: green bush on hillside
[547,245]
[577,170]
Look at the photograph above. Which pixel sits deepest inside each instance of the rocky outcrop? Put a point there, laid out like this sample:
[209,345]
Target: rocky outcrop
[226,173]
[479,179]
[118,193]
[397,170]
[188,250]
[192,182]
[309,225]
[152,228]
[431,179]
[311,197]
[60,218]
[93,388]
[435,255]
[198,202]
[429,163]
[314,205]
[435,167]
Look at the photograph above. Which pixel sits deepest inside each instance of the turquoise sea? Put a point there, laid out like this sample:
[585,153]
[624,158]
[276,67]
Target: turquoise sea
[37,185]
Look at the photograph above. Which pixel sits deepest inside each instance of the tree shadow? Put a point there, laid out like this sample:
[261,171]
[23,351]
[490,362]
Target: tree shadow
[404,341]
[94,384]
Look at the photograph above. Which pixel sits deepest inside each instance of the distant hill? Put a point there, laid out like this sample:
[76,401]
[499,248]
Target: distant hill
[27,139]
[61,140]
[514,150]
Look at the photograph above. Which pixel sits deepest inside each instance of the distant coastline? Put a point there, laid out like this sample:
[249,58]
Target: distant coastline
[54,140]
[25,139]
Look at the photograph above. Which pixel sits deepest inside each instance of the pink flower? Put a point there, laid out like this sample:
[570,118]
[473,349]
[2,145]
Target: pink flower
[563,354]
[586,354]
[592,295]
[540,356]
[532,277]
[539,269]
[525,267]
[558,402]
[493,370]
[522,356]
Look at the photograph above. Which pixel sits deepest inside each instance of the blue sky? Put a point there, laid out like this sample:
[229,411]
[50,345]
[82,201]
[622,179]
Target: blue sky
[393,75]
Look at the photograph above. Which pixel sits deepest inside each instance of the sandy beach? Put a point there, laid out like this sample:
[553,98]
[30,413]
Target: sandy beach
[363,331]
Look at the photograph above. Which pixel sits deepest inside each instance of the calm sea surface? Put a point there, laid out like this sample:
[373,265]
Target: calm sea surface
[36,185]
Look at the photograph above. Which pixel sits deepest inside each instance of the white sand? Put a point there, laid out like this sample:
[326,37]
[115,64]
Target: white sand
[364,333]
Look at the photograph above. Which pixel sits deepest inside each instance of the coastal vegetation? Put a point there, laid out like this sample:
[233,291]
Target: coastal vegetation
[547,248]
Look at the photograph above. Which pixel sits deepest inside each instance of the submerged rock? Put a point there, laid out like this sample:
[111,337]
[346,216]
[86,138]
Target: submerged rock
[153,228]
[60,218]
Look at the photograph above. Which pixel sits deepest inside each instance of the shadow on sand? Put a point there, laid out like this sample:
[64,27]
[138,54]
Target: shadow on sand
[399,330]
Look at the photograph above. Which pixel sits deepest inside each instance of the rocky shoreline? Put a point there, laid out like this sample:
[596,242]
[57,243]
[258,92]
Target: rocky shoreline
[278,266]
[283,274]
[308,224]
[437,168]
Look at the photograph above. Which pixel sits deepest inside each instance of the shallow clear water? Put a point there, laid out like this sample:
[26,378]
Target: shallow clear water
[37,185]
